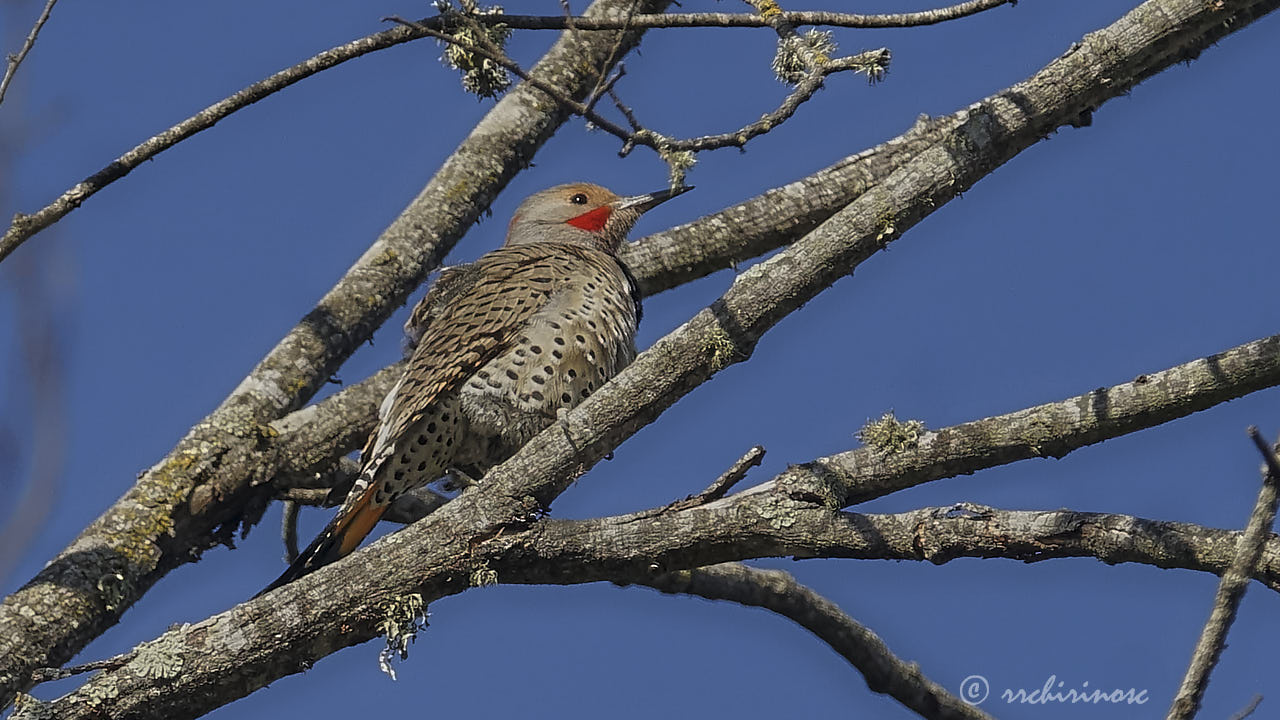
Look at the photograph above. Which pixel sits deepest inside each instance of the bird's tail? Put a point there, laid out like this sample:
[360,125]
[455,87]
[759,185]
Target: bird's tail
[354,521]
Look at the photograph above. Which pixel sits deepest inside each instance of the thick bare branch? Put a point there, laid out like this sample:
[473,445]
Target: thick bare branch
[196,495]
[1231,589]
[1053,429]
[228,652]
[774,218]
[634,547]
[780,592]
[339,605]
[311,438]
[1050,430]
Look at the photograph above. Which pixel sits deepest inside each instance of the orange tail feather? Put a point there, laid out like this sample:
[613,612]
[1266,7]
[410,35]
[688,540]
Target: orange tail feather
[339,538]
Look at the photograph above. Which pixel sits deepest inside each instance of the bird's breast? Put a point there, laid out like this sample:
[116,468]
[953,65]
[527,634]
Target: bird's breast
[581,338]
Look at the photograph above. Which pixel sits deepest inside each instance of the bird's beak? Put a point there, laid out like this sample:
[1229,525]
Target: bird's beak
[649,201]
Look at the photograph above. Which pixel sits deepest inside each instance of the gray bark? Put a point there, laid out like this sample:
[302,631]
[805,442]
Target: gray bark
[194,497]
[490,529]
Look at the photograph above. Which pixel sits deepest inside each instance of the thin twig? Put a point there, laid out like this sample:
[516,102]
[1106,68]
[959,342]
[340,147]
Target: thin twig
[872,62]
[289,530]
[716,490]
[43,675]
[406,509]
[1268,455]
[613,58]
[313,497]
[24,226]
[626,111]
[15,59]
[1231,589]
[745,20]
[605,87]
[1247,710]
[483,48]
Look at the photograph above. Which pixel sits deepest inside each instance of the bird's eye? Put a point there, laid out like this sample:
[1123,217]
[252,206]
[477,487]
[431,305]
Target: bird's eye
[578,199]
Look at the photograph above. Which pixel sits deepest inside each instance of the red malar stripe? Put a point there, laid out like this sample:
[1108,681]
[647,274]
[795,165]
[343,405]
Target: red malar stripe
[593,220]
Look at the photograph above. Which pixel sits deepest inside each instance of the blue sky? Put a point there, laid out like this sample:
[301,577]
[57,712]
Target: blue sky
[1130,246]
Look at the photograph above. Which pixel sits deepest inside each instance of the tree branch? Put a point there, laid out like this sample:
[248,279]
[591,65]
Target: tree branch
[873,63]
[780,592]
[435,556]
[339,605]
[1231,589]
[15,59]
[311,438]
[743,20]
[724,483]
[228,653]
[776,217]
[1243,369]
[295,448]
[1053,429]
[195,496]
[749,526]
[24,226]
[1049,430]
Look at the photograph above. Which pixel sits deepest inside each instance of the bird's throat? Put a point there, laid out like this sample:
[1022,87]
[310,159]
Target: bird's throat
[592,220]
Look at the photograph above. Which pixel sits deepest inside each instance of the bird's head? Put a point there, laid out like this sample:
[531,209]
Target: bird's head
[583,214]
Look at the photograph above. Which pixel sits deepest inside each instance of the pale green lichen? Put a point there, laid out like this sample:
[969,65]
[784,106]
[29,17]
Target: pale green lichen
[158,660]
[100,690]
[796,54]
[481,76]
[890,435]
[679,162]
[401,621]
[722,349]
[779,512]
[156,495]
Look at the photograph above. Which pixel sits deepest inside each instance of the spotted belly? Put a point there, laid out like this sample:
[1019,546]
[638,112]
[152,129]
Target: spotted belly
[556,364]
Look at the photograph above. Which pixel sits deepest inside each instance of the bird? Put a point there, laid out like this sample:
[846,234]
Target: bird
[498,348]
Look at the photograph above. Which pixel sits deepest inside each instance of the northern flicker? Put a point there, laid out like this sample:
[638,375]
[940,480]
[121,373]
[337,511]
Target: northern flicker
[504,344]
